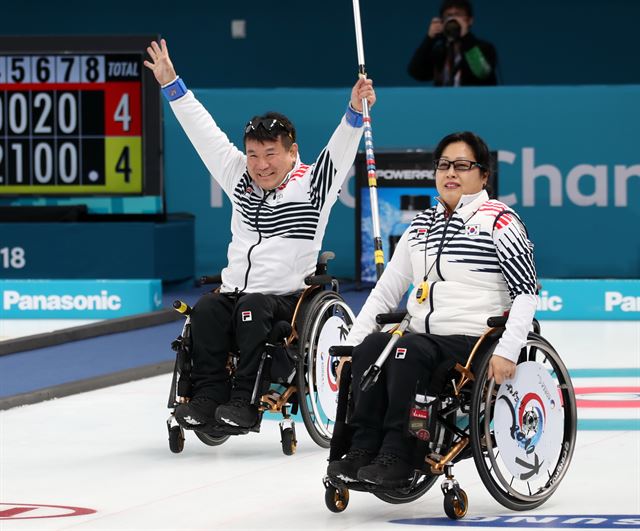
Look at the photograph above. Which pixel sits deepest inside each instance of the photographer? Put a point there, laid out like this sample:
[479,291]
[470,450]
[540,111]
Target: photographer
[450,54]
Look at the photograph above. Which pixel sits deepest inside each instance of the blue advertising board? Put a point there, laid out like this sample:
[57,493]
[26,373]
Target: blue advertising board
[78,299]
[568,158]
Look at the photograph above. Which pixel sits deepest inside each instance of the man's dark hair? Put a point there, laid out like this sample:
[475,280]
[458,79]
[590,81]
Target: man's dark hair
[465,5]
[269,127]
[477,145]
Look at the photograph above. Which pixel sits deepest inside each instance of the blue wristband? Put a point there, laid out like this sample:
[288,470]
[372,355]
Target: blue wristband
[354,118]
[175,90]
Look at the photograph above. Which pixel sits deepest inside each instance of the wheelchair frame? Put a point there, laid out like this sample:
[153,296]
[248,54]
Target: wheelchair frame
[470,392]
[315,306]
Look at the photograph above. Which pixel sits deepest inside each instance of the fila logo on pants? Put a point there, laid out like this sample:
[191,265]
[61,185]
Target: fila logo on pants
[246,316]
[401,353]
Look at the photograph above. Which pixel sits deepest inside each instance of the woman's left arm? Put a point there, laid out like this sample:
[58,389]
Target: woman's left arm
[515,255]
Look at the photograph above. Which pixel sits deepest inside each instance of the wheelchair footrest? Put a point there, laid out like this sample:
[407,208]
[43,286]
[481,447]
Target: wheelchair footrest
[362,486]
[220,430]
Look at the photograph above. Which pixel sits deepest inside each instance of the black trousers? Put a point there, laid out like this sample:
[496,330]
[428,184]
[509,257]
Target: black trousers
[380,416]
[220,325]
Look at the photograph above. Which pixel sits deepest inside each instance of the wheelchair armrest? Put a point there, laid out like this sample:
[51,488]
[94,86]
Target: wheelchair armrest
[501,320]
[280,331]
[390,318]
[341,350]
[498,321]
[318,280]
[215,279]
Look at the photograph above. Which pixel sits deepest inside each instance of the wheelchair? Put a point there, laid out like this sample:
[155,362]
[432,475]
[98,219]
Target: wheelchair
[295,371]
[521,434]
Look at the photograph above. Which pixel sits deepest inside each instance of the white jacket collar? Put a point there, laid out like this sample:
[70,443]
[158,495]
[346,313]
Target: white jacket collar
[467,202]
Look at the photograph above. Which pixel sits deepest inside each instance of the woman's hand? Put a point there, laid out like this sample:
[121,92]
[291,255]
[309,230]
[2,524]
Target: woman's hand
[501,369]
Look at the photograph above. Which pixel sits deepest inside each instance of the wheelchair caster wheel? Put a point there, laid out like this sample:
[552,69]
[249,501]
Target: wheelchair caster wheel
[336,499]
[456,504]
[176,439]
[289,442]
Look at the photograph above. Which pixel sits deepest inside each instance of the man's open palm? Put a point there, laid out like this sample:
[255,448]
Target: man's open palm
[160,63]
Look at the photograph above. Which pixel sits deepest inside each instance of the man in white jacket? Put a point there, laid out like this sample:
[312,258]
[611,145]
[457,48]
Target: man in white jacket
[280,209]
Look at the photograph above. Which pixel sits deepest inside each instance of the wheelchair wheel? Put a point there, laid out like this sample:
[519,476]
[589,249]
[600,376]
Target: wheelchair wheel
[411,494]
[456,504]
[211,440]
[336,499]
[288,441]
[176,439]
[523,433]
[327,321]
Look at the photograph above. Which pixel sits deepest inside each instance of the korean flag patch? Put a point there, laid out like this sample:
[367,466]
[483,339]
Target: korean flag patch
[472,230]
[246,316]
[401,353]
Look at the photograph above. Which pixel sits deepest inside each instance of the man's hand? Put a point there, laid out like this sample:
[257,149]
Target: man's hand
[362,89]
[501,369]
[160,63]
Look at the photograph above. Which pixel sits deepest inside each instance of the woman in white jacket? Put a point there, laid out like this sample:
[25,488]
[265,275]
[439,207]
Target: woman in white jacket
[467,258]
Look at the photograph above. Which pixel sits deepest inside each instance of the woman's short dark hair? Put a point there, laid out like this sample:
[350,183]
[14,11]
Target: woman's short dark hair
[464,5]
[477,145]
[269,127]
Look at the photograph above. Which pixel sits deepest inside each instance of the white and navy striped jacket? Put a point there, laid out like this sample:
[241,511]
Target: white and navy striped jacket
[275,235]
[476,260]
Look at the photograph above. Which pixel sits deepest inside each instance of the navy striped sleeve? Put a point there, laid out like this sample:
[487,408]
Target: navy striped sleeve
[321,179]
[515,256]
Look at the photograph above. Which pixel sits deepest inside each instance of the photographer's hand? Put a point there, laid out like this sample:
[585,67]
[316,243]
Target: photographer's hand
[436,27]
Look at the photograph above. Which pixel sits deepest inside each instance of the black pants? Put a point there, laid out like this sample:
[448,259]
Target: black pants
[220,325]
[380,415]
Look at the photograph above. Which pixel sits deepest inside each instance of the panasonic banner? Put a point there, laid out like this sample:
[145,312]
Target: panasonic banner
[78,299]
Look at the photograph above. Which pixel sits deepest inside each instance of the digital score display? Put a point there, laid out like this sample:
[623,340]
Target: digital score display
[74,121]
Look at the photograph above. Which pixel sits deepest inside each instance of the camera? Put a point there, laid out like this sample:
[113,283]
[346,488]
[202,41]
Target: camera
[452,29]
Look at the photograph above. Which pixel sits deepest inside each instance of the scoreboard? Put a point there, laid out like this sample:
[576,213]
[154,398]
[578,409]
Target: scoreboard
[78,116]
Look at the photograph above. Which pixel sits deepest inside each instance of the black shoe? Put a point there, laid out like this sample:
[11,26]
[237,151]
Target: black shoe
[238,412]
[197,413]
[346,469]
[386,470]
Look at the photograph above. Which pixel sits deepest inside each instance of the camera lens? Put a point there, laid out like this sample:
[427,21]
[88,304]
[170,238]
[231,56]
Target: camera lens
[452,29]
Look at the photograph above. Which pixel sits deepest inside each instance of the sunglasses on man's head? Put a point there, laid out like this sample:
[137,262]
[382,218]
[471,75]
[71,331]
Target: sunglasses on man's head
[269,124]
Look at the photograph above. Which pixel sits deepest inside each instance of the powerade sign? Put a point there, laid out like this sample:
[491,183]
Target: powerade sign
[564,521]
[589,300]
[78,299]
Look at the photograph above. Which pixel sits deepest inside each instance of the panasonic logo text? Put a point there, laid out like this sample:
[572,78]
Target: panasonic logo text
[12,300]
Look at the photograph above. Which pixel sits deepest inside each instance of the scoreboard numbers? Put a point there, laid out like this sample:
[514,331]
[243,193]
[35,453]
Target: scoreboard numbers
[71,124]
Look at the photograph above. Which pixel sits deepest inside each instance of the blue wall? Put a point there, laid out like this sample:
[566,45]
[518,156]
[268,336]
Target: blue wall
[561,149]
[293,44]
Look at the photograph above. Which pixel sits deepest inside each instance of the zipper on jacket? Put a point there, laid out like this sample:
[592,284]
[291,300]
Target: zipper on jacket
[441,246]
[426,319]
[246,275]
